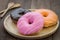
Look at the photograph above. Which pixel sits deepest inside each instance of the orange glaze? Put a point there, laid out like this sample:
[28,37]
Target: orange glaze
[50,17]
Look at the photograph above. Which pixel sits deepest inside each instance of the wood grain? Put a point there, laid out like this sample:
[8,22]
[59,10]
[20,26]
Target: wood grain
[24,3]
[55,6]
[3,4]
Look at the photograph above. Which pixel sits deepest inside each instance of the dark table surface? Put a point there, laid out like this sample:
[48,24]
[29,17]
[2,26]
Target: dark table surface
[49,4]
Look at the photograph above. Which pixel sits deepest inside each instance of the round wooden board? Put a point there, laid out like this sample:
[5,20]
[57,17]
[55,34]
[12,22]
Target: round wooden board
[12,29]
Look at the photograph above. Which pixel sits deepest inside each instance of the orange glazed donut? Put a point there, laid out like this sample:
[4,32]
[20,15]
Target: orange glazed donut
[50,17]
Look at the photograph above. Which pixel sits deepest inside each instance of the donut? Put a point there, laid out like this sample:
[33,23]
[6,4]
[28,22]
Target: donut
[50,17]
[30,23]
[17,13]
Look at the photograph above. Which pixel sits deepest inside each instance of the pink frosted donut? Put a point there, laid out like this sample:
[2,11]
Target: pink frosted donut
[30,23]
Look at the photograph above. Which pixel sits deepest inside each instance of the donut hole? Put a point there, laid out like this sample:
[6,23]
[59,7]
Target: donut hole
[45,14]
[30,21]
[21,13]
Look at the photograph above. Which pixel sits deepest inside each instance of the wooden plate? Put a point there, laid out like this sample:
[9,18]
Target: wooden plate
[12,29]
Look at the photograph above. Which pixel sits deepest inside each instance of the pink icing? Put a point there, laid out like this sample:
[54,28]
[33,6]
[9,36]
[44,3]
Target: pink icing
[30,23]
